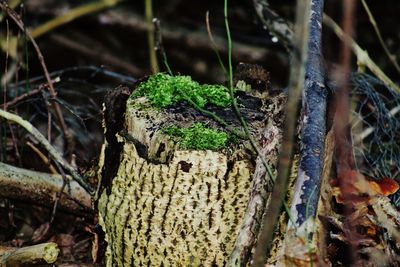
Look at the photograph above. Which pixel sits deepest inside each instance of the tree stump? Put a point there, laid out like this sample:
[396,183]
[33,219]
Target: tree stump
[162,205]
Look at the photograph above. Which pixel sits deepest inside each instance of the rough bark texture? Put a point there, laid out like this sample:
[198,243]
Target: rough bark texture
[164,206]
[260,194]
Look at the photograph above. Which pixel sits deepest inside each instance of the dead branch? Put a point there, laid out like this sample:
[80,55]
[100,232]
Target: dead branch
[362,55]
[43,141]
[275,24]
[71,15]
[42,188]
[21,98]
[29,256]
[44,159]
[313,124]
[15,17]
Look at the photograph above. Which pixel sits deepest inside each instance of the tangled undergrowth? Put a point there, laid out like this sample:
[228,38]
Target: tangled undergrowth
[379,146]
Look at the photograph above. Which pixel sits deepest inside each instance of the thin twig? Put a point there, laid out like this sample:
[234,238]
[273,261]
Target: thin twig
[52,151]
[362,56]
[21,98]
[15,17]
[6,63]
[391,57]
[45,159]
[213,44]
[59,192]
[99,54]
[344,155]
[159,46]
[296,83]
[94,70]
[368,131]
[270,178]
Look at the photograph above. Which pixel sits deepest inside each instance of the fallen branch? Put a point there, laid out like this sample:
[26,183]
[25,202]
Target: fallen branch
[43,141]
[100,54]
[42,188]
[28,256]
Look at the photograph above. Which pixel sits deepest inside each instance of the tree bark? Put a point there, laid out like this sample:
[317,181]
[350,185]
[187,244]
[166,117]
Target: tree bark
[161,205]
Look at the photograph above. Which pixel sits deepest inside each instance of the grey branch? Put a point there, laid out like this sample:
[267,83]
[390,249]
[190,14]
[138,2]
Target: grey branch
[42,188]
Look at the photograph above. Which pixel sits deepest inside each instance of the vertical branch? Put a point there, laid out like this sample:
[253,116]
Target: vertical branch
[150,35]
[299,57]
[344,152]
[313,123]
[345,160]
[235,106]
[159,46]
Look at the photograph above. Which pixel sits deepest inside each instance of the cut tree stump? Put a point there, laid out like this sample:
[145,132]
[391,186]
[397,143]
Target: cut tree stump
[161,205]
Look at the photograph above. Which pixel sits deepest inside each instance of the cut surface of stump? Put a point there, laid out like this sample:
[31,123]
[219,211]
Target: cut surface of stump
[169,206]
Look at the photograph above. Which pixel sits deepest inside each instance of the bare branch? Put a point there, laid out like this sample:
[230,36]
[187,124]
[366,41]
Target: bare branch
[42,188]
[52,151]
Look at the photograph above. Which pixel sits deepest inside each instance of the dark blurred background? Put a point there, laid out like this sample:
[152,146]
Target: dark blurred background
[116,38]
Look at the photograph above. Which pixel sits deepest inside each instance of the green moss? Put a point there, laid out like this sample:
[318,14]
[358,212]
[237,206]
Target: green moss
[164,90]
[198,137]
